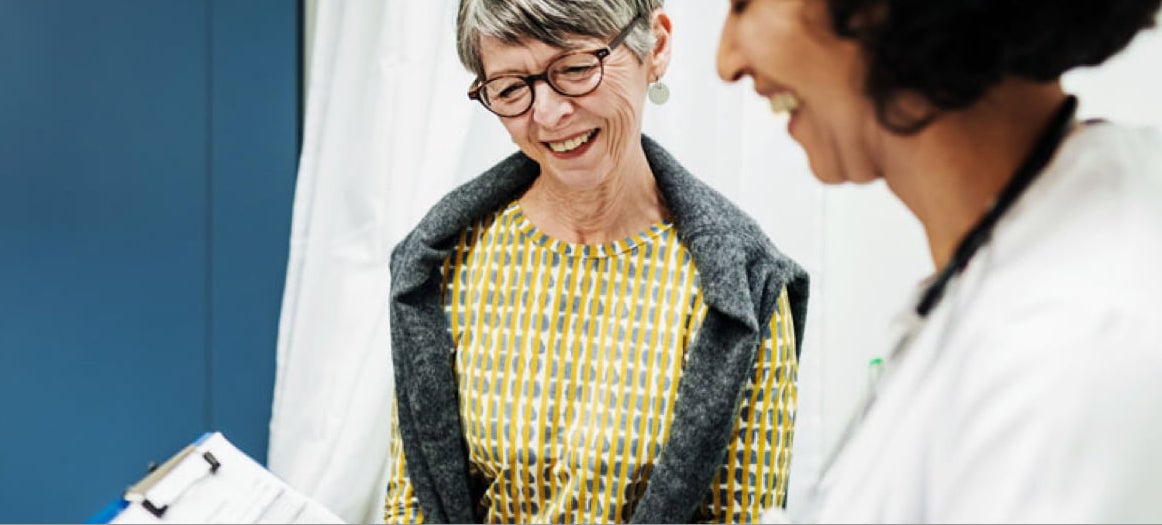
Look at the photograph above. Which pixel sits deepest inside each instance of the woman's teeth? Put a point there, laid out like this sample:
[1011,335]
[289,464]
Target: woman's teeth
[571,144]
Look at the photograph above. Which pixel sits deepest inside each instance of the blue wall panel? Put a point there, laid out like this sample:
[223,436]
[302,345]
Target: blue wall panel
[254,154]
[147,160]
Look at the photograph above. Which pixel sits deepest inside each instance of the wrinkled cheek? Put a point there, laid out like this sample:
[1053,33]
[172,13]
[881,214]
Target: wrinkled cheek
[626,125]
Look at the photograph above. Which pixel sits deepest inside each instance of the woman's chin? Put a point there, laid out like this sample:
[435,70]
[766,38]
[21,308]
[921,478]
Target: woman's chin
[574,178]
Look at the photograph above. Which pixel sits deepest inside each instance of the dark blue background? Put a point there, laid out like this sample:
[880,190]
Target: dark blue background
[148,152]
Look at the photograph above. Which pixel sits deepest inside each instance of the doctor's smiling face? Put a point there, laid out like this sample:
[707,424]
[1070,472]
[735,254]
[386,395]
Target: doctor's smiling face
[788,47]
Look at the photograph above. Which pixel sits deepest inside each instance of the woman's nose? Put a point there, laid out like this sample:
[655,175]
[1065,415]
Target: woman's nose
[549,107]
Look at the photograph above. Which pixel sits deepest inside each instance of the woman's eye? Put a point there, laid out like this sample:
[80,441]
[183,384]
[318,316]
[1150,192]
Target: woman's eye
[578,70]
[738,6]
[509,92]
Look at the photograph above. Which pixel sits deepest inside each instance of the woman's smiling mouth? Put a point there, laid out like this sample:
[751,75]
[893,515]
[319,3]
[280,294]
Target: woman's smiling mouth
[568,145]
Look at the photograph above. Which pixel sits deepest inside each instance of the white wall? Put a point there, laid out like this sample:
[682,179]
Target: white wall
[1127,88]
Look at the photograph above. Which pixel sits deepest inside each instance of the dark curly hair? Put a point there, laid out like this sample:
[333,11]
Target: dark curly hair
[951,52]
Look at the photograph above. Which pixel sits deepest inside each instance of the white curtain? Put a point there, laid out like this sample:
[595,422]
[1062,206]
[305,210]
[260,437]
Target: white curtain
[372,160]
[389,130]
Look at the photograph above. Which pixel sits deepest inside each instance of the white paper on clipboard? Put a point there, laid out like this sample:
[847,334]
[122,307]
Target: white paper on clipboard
[211,481]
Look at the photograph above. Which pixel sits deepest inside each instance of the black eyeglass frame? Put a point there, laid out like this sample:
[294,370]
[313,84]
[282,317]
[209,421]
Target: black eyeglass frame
[530,80]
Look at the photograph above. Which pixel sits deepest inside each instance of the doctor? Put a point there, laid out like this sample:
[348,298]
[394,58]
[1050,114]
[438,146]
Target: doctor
[1028,384]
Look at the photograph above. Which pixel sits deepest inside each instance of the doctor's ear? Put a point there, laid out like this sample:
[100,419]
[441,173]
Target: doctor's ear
[659,58]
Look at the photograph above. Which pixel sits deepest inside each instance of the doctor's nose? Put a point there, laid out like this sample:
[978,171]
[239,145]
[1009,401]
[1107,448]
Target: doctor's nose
[729,61]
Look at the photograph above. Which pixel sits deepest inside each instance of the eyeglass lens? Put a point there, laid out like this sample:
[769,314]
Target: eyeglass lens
[575,74]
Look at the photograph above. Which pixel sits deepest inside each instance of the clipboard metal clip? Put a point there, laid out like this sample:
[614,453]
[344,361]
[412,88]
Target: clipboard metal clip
[164,484]
[213,461]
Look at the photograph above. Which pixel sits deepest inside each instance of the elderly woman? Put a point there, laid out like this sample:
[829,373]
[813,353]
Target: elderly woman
[1027,386]
[585,332]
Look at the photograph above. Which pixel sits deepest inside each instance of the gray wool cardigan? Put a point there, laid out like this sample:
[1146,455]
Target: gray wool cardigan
[741,273]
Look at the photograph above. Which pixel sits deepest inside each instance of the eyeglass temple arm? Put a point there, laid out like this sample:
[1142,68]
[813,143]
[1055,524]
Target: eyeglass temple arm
[617,40]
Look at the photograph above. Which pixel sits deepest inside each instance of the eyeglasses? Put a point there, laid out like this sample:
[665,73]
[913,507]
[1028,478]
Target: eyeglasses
[573,74]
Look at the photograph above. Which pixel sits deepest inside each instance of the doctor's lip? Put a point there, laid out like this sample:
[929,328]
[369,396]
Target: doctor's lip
[768,94]
[771,89]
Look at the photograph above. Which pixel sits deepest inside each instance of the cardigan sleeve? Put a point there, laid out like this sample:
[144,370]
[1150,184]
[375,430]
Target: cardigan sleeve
[401,505]
[754,476]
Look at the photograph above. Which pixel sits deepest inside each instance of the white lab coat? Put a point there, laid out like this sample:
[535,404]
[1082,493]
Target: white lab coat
[1033,393]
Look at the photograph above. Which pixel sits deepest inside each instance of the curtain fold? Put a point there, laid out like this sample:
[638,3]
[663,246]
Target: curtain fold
[372,161]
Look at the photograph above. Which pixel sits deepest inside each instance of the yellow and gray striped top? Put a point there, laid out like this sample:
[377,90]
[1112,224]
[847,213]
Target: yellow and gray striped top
[568,359]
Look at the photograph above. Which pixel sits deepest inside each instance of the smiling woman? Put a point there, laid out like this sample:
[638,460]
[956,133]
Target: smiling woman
[1023,386]
[805,70]
[585,332]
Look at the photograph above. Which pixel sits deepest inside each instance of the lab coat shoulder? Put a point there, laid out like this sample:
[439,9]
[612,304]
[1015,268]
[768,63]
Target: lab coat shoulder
[1031,393]
[1058,351]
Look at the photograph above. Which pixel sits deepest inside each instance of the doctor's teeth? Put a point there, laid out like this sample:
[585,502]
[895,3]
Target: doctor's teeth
[571,144]
[786,102]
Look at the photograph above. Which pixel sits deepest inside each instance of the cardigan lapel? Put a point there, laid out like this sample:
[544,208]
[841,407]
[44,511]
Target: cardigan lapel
[428,402]
[739,289]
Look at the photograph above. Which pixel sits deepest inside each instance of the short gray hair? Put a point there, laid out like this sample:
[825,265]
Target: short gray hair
[551,22]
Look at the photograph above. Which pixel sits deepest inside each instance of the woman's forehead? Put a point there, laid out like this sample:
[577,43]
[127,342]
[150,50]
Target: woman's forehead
[528,54]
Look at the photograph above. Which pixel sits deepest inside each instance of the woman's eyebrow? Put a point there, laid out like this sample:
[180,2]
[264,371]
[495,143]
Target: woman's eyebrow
[571,47]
